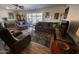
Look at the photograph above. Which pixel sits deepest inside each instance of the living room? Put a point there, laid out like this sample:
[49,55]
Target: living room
[39,28]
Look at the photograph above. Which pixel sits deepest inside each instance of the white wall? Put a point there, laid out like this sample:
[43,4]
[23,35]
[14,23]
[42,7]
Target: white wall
[73,12]
[4,13]
[73,17]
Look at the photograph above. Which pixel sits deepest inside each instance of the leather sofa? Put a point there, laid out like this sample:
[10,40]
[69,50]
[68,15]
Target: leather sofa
[44,27]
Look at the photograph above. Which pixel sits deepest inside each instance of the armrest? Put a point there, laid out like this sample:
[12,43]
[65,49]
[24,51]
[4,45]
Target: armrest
[17,34]
[20,45]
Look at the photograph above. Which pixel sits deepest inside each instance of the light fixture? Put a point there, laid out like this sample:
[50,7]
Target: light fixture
[77,33]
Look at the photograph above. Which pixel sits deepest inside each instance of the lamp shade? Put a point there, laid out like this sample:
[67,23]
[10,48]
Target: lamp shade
[77,33]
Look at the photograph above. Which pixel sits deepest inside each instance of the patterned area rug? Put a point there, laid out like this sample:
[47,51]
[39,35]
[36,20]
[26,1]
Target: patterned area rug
[41,38]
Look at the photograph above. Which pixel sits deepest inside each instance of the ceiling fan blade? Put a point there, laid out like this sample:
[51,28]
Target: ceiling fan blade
[22,7]
[18,6]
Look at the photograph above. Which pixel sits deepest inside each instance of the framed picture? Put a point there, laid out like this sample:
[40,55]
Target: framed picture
[47,15]
[56,16]
[18,16]
[66,12]
[11,15]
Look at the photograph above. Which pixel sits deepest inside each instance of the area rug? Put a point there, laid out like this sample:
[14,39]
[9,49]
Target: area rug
[41,38]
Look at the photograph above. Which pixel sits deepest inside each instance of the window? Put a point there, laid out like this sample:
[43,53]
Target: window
[33,18]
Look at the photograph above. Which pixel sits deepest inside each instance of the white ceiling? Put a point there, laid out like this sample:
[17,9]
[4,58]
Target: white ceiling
[26,6]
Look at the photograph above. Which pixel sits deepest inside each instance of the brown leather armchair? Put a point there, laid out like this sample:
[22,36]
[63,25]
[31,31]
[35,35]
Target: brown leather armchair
[15,46]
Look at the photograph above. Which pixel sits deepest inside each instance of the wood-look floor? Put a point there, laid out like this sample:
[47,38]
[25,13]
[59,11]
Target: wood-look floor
[35,48]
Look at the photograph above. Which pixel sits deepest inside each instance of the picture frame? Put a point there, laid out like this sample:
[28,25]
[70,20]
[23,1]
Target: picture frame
[56,16]
[47,15]
[66,12]
[11,15]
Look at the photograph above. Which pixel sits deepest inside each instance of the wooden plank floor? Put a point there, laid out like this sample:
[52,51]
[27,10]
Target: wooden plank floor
[35,48]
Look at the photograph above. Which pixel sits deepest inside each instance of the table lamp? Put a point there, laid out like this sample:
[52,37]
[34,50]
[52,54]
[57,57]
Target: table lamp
[77,33]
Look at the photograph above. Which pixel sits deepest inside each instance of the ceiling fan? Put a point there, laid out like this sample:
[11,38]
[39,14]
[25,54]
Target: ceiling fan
[18,6]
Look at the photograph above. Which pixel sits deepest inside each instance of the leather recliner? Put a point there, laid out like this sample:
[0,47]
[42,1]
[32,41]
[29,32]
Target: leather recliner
[14,45]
